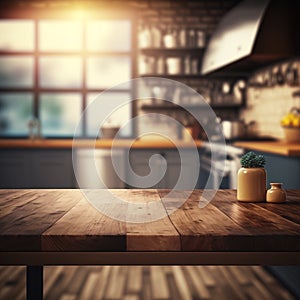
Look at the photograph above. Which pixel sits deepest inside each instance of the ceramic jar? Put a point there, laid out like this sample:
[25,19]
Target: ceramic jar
[251,185]
[276,194]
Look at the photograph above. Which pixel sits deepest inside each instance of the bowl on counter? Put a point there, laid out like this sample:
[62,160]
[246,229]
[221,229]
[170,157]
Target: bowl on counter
[109,132]
[292,134]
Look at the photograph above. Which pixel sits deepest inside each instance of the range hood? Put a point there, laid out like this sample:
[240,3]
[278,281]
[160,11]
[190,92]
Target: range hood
[253,34]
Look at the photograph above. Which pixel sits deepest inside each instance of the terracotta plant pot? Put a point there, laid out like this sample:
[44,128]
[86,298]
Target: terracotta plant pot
[251,185]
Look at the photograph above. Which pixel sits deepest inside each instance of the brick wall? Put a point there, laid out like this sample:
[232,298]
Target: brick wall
[202,14]
[268,104]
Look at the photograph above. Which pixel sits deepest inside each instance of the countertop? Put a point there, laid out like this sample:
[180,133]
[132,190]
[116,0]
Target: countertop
[63,220]
[99,143]
[274,147]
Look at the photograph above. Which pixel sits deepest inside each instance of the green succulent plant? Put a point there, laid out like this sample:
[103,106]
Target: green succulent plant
[253,160]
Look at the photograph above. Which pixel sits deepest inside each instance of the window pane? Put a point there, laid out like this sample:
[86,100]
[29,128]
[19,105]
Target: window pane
[61,71]
[16,71]
[108,101]
[110,35]
[15,113]
[16,35]
[60,35]
[105,72]
[59,113]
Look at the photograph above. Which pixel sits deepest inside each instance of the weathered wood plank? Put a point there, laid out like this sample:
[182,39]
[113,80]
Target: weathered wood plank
[158,235]
[8,197]
[16,199]
[255,219]
[289,210]
[268,230]
[84,228]
[63,220]
[205,229]
[21,229]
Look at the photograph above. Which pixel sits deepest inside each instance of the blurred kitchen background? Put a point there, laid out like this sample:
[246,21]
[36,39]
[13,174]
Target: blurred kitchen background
[57,56]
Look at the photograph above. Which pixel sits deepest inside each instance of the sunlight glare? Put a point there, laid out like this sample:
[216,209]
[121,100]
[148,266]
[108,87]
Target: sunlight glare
[59,35]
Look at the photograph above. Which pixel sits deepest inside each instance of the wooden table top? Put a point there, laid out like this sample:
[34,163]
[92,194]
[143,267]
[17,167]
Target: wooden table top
[63,220]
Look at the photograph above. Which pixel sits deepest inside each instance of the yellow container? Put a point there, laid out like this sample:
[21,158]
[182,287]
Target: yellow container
[251,185]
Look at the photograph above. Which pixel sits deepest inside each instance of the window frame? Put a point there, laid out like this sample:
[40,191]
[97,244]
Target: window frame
[37,14]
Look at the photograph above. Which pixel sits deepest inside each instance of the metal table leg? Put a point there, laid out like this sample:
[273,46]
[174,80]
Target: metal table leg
[34,283]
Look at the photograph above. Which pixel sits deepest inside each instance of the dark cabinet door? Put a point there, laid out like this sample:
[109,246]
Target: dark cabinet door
[33,168]
[52,169]
[15,169]
[283,169]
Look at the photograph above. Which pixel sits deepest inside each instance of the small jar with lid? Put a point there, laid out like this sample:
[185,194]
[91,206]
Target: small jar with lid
[276,194]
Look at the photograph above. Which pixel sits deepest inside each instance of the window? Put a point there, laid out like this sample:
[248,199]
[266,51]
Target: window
[53,68]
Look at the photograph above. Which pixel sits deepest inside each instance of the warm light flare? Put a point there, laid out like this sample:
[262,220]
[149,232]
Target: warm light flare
[79,13]
[60,35]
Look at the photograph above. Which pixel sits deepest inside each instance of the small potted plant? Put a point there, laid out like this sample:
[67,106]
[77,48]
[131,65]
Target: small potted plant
[251,185]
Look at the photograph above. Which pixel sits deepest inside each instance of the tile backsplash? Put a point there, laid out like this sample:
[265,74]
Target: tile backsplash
[268,104]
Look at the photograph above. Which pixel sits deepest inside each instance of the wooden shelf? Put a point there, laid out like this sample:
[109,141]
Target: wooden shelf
[173,51]
[195,76]
[174,106]
[177,76]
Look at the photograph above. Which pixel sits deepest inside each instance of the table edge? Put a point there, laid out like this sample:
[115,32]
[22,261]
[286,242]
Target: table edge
[150,258]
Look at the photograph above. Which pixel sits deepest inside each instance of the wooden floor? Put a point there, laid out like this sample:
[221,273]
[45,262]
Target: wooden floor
[132,283]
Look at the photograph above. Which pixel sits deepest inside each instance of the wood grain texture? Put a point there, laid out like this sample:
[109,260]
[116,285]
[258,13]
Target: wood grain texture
[264,226]
[63,220]
[33,212]
[228,225]
[205,229]
[84,228]
[158,235]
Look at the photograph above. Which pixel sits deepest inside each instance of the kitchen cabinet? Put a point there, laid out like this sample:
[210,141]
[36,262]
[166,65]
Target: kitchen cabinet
[283,169]
[139,161]
[52,169]
[14,169]
[289,276]
[36,168]
[95,169]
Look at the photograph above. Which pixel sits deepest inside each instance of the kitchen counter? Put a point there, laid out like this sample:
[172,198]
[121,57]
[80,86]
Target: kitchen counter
[99,143]
[273,147]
